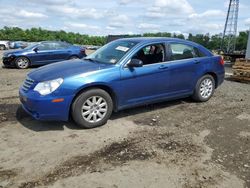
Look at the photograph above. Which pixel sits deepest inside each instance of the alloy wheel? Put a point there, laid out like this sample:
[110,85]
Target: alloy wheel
[22,63]
[206,88]
[94,109]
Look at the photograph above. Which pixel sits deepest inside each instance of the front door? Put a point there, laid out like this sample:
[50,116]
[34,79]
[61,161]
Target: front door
[149,82]
[43,54]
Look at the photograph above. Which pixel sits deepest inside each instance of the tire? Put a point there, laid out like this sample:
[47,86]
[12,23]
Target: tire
[92,108]
[2,47]
[204,89]
[74,57]
[22,62]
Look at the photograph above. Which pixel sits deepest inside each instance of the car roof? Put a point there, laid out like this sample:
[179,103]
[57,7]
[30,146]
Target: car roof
[157,39]
[51,41]
[146,40]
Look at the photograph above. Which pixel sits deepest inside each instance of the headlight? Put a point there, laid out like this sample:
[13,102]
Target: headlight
[47,87]
[9,55]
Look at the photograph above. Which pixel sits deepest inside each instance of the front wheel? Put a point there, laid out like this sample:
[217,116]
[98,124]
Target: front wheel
[92,108]
[22,62]
[2,47]
[204,88]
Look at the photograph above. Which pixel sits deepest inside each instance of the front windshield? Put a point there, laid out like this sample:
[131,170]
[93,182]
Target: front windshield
[29,47]
[112,52]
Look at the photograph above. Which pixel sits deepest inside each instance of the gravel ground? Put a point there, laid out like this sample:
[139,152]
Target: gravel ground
[172,144]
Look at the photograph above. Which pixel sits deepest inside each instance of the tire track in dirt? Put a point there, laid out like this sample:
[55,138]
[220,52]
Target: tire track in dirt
[142,146]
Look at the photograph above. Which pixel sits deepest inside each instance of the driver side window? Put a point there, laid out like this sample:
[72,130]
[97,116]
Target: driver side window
[151,54]
[44,46]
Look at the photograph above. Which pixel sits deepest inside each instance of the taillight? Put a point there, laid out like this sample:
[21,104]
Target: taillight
[222,61]
[83,50]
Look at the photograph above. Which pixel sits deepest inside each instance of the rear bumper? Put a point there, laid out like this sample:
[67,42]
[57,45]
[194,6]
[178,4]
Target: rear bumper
[42,107]
[220,78]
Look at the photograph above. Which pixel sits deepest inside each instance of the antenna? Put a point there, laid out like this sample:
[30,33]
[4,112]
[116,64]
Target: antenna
[230,30]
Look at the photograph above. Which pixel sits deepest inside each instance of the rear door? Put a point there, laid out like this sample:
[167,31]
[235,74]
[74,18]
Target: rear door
[61,51]
[185,66]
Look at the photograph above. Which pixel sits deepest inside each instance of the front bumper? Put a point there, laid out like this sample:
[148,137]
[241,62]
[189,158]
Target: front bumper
[9,61]
[42,107]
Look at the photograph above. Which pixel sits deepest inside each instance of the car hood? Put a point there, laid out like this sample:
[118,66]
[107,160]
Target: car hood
[66,69]
[14,52]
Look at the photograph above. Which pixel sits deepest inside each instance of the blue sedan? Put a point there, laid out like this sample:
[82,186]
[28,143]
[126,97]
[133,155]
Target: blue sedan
[42,53]
[122,74]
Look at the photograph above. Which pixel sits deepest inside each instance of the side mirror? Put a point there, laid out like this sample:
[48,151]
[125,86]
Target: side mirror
[135,63]
[35,49]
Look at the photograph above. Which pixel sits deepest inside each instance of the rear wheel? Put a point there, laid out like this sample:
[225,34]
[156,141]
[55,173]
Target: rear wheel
[204,88]
[22,62]
[92,108]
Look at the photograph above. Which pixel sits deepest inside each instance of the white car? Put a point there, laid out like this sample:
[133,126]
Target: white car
[4,45]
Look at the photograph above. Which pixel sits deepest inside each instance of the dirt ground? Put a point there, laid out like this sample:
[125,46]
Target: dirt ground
[172,144]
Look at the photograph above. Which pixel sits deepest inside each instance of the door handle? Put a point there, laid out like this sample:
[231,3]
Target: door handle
[196,62]
[163,67]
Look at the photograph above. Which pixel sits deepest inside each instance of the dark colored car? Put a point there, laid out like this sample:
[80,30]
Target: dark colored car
[42,53]
[122,74]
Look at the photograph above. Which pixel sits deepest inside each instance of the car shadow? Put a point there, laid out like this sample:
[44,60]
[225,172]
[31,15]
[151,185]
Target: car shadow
[28,122]
[149,108]
[13,67]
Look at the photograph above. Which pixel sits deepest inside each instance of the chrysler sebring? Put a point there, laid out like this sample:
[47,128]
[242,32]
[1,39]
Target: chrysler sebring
[122,74]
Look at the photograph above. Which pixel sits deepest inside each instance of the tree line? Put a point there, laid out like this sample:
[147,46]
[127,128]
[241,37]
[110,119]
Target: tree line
[212,42]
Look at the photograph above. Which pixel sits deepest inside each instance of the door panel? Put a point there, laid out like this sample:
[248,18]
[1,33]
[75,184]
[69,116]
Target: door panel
[145,83]
[185,67]
[49,52]
[59,55]
[183,75]
[41,57]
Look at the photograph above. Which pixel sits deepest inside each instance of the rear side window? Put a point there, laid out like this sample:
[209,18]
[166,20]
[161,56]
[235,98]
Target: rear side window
[183,51]
[62,45]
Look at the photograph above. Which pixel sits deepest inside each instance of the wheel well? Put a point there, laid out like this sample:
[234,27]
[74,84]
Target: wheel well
[103,87]
[73,55]
[23,56]
[215,78]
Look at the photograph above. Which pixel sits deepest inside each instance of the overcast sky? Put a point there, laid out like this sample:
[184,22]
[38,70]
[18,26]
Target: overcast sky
[102,17]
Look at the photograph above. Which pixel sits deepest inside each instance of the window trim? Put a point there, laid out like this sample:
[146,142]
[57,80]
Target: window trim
[164,44]
[183,43]
[180,43]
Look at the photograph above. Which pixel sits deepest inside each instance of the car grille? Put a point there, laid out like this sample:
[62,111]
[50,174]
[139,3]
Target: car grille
[27,84]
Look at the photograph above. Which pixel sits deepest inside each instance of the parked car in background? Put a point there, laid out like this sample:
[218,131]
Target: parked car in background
[42,53]
[91,47]
[4,44]
[122,74]
[18,44]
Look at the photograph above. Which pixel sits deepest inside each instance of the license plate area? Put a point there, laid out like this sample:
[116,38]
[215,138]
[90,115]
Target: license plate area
[23,99]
